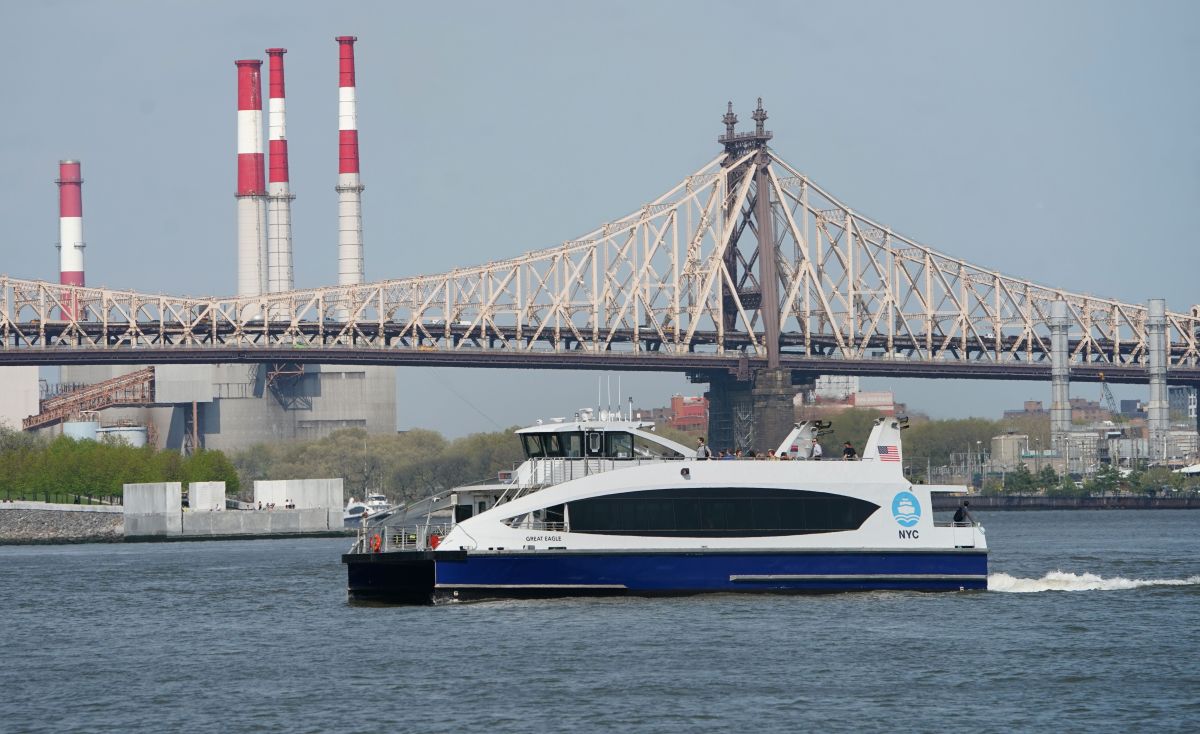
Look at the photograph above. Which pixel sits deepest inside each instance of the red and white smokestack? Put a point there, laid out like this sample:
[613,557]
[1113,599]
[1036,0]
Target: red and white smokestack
[251,187]
[349,188]
[70,230]
[279,196]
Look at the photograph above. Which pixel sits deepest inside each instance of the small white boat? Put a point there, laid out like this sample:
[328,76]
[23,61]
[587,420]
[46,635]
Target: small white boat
[357,511]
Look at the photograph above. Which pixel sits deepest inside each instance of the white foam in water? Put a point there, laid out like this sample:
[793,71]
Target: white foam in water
[1063,581]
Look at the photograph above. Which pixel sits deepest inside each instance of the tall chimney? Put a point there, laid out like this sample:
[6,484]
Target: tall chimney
[251,187]
[279,196]
[70,230]
[349,188]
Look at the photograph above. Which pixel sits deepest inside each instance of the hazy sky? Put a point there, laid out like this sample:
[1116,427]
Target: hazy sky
[1057,141]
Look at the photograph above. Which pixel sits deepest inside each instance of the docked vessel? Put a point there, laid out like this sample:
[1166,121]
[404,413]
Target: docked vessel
[359,512]
[607,507]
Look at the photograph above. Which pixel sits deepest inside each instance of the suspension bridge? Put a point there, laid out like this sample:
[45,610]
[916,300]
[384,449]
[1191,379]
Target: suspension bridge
[747,275]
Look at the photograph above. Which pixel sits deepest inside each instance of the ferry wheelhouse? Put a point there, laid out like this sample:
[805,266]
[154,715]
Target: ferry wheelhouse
[608,507]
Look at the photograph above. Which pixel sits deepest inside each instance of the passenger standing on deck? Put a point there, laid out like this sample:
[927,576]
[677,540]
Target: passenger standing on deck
[848,452]
[962,516]
[817,451]
[702,449]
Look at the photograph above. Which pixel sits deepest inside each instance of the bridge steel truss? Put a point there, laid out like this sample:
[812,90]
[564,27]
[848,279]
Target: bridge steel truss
[668,287]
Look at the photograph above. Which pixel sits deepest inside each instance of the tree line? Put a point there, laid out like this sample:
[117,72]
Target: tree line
[403,466]
[417,463]
[36,467]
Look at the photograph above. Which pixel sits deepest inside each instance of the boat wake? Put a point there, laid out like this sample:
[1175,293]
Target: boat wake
[1063,581]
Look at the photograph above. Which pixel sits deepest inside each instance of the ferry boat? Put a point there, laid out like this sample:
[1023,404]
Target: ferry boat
[608,507]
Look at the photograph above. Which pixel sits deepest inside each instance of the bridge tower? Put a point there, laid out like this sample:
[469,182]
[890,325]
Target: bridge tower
[1060,378]
[753,407]
[1158,411]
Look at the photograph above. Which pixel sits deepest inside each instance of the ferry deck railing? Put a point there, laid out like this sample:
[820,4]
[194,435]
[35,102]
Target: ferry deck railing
[390,538]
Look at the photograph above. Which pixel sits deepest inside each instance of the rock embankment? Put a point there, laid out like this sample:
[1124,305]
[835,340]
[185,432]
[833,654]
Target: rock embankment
[20,526]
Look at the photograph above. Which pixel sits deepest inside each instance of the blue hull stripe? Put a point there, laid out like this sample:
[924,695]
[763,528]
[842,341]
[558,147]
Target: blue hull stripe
[671,572]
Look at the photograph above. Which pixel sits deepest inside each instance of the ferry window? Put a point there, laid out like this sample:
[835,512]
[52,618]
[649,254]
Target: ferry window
[718,512]
[553,444]
[620,445]
[533,445]
[573,443]
[595,444]
[646,448]
[554,516]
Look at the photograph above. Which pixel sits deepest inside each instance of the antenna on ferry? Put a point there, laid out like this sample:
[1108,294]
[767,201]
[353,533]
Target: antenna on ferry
[630,407]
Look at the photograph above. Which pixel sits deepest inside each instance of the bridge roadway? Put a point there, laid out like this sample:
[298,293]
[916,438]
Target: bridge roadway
[470,350]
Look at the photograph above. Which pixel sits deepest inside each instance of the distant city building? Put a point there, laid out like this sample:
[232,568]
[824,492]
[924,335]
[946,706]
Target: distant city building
[19,390]
[689,413]
[1133,409]
[1181,402]
[812,405]
[1008,451]
[1088,411]
[834,387]
[1082,411]
[231,406]
[685,413]
[1030,408]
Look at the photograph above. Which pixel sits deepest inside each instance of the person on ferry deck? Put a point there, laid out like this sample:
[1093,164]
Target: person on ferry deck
[848,452]
[702,449]
[962,516]
[817,451]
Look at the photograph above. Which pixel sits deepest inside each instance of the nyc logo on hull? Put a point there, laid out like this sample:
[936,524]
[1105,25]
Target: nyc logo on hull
[906,509]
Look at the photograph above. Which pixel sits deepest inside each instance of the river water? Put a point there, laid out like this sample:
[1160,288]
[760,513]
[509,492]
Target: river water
[1092,624]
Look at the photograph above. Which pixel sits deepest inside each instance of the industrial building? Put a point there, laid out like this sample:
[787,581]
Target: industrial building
[227,406]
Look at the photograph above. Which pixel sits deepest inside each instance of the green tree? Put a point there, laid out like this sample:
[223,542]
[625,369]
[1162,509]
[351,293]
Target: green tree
[993,485]
[1066,488]
[1020,480]
[210,466]
[853,425]
[1046,478]
[1104,482]
[935,441]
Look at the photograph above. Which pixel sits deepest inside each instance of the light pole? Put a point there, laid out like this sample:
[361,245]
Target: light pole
[979,461]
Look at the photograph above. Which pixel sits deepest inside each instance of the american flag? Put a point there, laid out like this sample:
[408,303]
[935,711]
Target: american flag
[889,453]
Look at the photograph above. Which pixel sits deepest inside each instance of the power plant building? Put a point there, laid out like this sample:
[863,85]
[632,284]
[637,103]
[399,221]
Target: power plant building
[233,406]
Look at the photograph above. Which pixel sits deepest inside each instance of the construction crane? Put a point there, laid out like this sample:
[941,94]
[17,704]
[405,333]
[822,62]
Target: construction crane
[1106,393]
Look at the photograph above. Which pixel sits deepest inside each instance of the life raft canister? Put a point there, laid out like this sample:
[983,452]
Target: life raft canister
[376,542]
[435,540]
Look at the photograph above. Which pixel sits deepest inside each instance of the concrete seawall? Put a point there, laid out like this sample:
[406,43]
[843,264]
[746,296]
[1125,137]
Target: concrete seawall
[155,511]
[20,526]
[1038,502]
